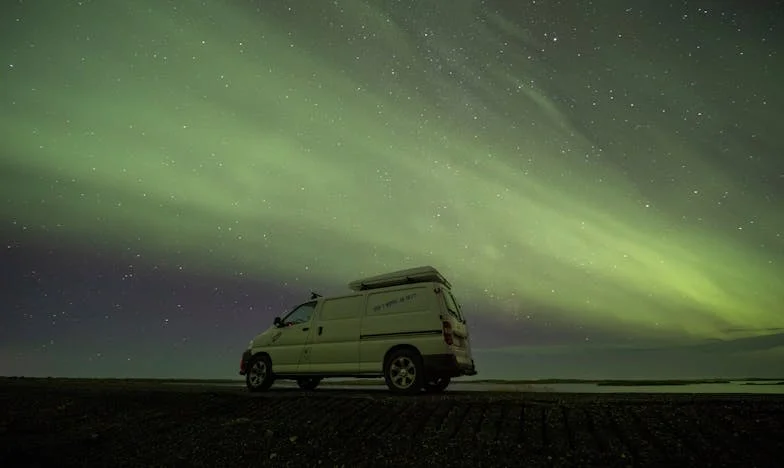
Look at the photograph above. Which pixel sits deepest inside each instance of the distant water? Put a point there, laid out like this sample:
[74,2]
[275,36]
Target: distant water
[732,387]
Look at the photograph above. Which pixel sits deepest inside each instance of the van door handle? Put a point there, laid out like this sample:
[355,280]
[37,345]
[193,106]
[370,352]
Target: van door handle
[320,330]
[306,329]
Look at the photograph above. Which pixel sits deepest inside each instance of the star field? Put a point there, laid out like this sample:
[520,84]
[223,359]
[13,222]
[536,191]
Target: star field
[175,174]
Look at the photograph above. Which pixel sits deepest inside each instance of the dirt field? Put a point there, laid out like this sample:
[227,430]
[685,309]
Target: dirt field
[144,424]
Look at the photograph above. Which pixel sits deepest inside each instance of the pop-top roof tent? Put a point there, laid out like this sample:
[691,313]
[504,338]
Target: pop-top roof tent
[421,274]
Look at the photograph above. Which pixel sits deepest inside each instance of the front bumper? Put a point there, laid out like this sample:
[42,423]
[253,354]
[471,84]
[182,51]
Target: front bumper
[244,362]
[446,365]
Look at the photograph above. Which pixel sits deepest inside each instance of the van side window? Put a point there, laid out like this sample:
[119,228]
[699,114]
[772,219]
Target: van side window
[342,308]
[301,314]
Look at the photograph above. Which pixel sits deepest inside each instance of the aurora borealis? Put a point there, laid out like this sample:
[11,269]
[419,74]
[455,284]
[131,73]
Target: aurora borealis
[173,174]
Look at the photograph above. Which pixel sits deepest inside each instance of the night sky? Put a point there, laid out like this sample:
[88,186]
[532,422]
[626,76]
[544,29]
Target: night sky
[601,181]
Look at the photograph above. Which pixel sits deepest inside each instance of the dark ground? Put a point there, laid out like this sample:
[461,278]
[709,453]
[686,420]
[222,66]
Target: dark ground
[54,423]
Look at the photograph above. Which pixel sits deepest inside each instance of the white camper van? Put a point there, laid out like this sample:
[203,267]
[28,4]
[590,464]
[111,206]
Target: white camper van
[405,326]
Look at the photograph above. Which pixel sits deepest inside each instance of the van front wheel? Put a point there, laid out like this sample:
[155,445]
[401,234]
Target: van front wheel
[259,377]
[403,372]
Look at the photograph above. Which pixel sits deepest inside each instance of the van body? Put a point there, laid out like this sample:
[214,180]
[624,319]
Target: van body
[404,325]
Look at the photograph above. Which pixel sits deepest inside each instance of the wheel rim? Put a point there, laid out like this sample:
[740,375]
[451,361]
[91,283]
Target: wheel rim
[402,372]
[258,373]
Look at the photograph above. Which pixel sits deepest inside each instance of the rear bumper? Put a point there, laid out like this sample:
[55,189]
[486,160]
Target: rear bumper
[446,365]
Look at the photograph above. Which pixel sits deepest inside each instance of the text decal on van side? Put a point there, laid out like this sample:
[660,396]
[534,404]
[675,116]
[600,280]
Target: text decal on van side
[394,302]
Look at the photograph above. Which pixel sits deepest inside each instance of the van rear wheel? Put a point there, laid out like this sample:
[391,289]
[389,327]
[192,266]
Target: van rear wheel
[403,372]
[438,384]
[259,377]
[308,383]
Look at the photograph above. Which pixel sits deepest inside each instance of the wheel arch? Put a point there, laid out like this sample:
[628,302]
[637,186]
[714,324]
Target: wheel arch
[399,347]
[259,354]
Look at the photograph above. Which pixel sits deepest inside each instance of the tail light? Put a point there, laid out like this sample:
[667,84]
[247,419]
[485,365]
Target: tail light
[242,364]
[447,328]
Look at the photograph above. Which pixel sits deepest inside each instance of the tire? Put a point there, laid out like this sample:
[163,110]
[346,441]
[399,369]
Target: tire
[403,372]
[308,383]
[437,385]
[259,377]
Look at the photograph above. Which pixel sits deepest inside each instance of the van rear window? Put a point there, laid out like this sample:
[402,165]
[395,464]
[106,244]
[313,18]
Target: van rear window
[451,305]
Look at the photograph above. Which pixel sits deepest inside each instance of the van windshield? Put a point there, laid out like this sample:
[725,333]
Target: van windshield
[451,305]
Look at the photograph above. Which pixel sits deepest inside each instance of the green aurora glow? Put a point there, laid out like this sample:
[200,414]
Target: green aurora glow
[282,144]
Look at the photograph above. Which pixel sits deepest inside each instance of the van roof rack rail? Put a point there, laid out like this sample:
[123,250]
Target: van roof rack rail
[423,274]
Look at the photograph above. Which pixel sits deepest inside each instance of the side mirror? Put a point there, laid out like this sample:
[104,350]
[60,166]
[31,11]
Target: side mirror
[277,322]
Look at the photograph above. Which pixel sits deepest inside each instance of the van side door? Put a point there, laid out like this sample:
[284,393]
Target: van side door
[333,345]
